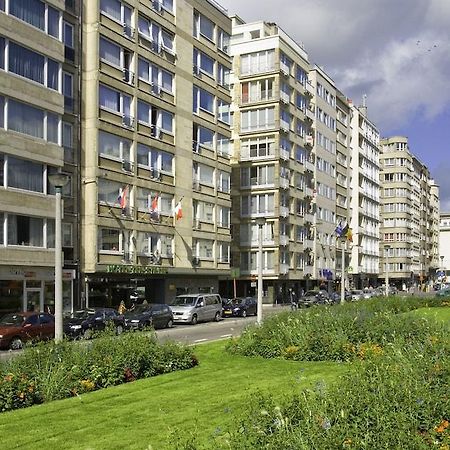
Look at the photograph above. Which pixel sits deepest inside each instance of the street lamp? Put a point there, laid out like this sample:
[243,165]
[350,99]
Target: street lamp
[386,281]
[58,180]
[260,222]
[442,269]
[343,240]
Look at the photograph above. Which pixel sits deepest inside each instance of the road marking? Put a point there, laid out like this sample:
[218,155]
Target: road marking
[226,335]
[200,340]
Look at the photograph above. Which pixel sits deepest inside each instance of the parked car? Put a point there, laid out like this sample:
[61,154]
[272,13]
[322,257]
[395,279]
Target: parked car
[241,306]
[357,294]
[20,327]
[443,293]
[149,315]
[311,298]
[85,322]
[193,308]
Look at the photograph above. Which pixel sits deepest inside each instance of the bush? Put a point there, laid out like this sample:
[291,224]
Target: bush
[337,333]
[393,398]
[50,371]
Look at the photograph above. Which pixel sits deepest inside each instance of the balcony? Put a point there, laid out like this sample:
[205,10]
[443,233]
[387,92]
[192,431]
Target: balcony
[284,211]
[284,126]
[309,217]
[284,154]
[309,166]
[284,268]
[284,97]
[310,88]
[310,114]
[284,240]
[309,192]
[284,183]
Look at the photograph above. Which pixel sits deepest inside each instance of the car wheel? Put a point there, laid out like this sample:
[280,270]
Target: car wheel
[87,334]
[194,319]
[244,313]
[16,344]
[119,329]
[169,323]
[217,317]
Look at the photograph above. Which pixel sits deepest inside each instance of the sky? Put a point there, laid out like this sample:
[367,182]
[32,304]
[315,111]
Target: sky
[396,52]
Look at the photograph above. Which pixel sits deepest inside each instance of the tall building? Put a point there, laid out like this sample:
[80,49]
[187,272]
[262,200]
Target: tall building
[443,273]
[365,199]
[273,161]
[155,177]
[325,175]
[39,129]
[409,215]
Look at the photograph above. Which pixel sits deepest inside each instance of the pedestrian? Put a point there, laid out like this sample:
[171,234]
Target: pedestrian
[122,308]
[293,299]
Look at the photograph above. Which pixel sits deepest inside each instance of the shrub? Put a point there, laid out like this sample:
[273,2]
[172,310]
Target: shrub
[394,397]
[50,371]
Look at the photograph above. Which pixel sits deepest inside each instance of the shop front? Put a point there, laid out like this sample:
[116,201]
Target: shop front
[33,289]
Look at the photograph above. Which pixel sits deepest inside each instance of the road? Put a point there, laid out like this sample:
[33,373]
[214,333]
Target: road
[195,334]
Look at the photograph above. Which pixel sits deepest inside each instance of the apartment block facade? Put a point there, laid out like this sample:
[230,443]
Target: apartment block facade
[365,199]
[155,170]
[273,159]
[409,214]
[39,135]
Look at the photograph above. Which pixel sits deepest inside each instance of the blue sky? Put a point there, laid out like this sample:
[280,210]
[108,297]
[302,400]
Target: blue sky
[396,52]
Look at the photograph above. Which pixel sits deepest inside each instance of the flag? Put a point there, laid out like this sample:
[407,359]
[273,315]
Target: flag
[123,197]
[338,229]
[178,213]
[154,211]
[349,235]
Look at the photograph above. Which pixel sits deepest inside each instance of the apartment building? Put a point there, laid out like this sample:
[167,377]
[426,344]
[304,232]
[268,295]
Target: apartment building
[39,128]
[325,176]
[409,214]
[155,178]
[343,176]
[273,159]
[444,247]
[365,198]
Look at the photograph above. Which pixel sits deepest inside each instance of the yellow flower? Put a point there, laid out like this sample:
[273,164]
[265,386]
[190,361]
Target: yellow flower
[347,442]
[442,426]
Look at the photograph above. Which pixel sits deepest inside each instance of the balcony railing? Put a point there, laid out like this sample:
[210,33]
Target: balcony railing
[284,268]
[284,154]
[284,240]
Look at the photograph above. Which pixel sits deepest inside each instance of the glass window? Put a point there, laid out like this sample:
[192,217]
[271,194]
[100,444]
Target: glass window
[25,119]
[166,121]
[68,35]
[67,235]
[53,22]
[26,63]
[2,52]
[2,170]
[223,110]
[206,27]
[52,128]
[2,225]
[206,101]
[206,137]
[25,175]
[112,8]
[114,146]
[52,74]
[24,230]
[50,233]
[166,162]
[30,11]
[67,136]
[223,41]
[110,52]
[109,191]
[109,239]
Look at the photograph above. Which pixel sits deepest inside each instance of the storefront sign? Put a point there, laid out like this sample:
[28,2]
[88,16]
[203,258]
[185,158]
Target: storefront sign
[118,268]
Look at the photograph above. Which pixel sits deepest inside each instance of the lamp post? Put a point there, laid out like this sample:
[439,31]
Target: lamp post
[343,271]
[442,269]
[58,180]
[260,222]
[386,281]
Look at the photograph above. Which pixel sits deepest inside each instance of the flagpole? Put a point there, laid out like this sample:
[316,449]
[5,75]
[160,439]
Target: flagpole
[343,272]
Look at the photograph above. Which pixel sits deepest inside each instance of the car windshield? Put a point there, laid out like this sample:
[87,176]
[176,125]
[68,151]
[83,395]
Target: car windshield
[310,293]
[12,320]
[184,301]
[84,314]
[138,309]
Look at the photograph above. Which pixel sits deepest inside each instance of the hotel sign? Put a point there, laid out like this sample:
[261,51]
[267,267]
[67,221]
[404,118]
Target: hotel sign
[150,270]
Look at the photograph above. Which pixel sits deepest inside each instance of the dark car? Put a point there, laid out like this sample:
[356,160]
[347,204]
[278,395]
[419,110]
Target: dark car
[150,315]
[443,292]
[86,322]
[311,298]
[241,306]
[17,328]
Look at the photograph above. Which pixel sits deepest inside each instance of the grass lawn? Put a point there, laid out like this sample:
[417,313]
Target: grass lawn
[144,414]
[440,314]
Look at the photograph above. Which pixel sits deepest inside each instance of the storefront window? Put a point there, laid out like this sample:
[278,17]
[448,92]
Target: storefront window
[11,296]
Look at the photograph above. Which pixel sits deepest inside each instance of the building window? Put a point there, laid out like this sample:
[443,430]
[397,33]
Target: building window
[2,228]
[223,41]
[158,119]
[256,91]
[68,91]
[260,204]
[203,174]
[223,111]
[203,248]
[203,63]
[155,160]
[25,230]
[202,137]
[113,146]
[203,26]
[223,182]
[25,175]
[154,75]
[67,235]
[258,119]
[258,148]
[258,62]
[223,145]
[223,216]
[158,37]
[109,191]
[223,252]
[115,101]
[109,240]
[110,53]
[223,75]
[202,101]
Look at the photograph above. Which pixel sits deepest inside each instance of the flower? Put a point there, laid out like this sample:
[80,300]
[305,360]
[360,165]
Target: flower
[442,426]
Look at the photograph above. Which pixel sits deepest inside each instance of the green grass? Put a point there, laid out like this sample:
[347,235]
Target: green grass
[149,412]
[437,313]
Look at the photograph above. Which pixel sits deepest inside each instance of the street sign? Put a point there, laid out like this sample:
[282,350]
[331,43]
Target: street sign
[235,272]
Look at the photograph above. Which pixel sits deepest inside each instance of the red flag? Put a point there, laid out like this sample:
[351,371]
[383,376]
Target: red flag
[178,211]
[123,197]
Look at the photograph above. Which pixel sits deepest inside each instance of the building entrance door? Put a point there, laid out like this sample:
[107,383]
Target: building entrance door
[33,300]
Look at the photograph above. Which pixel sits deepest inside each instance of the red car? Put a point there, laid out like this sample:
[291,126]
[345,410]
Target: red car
[17,328]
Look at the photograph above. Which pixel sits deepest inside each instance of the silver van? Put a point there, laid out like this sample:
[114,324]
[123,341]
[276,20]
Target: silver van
[193,308]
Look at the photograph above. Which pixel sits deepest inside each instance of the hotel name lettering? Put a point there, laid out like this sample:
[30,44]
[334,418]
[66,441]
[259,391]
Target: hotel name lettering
[117,268]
